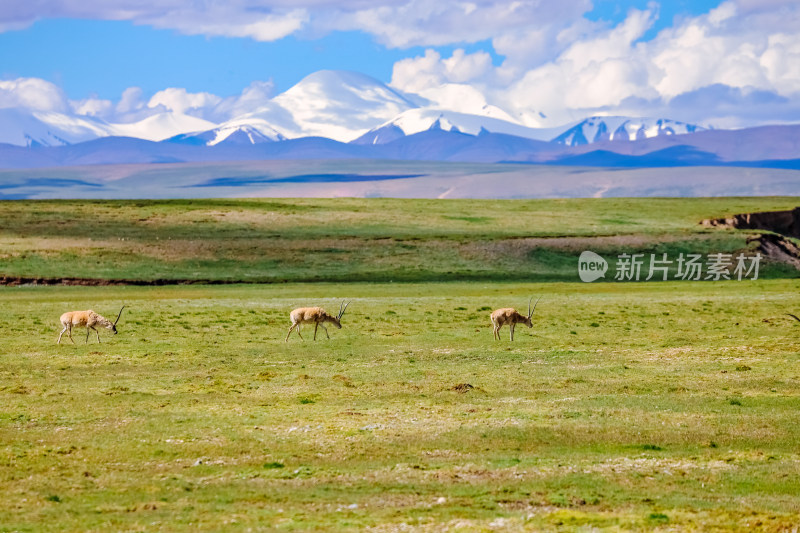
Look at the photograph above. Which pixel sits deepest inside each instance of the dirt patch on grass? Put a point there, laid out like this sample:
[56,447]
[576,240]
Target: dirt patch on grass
[783,222]
[778,248]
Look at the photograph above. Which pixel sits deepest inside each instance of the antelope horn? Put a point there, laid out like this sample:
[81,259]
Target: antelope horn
[793,316]
[342,309]
[119,315]
[530,311]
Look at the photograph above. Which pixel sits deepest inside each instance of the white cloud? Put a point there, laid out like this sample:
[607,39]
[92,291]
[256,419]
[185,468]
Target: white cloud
[182,101]
[395,23]
[602,70]
[424,23]
[430,71]
[93,107]
[253,97]
[130,101]
[594,68]
[269,26]
[32,93]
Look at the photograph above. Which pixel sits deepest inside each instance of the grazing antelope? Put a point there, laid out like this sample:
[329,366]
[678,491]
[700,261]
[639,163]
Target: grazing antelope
[510,316]
[793,316]
[86,319]
[316,315]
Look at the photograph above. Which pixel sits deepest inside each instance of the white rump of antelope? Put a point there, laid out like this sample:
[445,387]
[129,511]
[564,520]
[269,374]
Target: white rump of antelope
[512,317]
[86,319]
[317,316]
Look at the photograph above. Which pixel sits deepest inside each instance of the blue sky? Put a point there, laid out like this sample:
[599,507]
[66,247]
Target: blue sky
[104,57]
[532,58]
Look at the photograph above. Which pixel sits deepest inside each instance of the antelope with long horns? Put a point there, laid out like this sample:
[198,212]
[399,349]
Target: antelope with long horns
[317,316]
[86,319]
[510,316]
[794,316]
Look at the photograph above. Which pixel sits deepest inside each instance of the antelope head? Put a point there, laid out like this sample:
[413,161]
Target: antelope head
[337,319]
[114,325]
[528,321]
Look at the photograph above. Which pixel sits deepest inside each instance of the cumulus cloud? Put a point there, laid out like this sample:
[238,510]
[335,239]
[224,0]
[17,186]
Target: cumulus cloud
[610,69]
[93,107]
[258,26]
[182,101]
[408,23]
[32,93]
[431,70]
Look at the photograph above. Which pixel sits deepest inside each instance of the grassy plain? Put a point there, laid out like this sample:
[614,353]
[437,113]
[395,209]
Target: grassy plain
[628,407]
[272,240]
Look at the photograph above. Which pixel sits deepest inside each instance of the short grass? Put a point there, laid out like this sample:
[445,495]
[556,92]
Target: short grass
[276,240]
[651,406]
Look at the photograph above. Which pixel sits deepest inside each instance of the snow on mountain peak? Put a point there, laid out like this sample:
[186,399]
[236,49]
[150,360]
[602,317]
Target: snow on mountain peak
[24,127]
[336,104]
[595,129]
[162,126]
[421,119]
[339,105]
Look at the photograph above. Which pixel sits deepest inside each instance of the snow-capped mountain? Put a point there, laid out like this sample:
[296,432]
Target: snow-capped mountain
[161,126]
[240,131]
[22,127]
[597,129]
[427,118]
[45,128]
[339,105]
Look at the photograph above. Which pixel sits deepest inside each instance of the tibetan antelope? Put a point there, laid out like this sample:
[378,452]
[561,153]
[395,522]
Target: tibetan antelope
[317,316]
[86,319]
[510,316]
[793,316]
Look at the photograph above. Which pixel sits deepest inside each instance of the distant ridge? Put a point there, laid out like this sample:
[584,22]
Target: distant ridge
[763,147]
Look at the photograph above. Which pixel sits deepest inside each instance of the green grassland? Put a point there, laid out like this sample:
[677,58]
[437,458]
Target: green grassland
[271,240]
[666,406]
[627,406]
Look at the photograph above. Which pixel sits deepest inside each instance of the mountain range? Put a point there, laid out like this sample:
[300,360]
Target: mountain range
[346,115]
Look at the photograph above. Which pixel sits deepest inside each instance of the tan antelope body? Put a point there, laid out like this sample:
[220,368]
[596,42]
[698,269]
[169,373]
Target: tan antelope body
[511,317]
[86,319]
[317,316]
